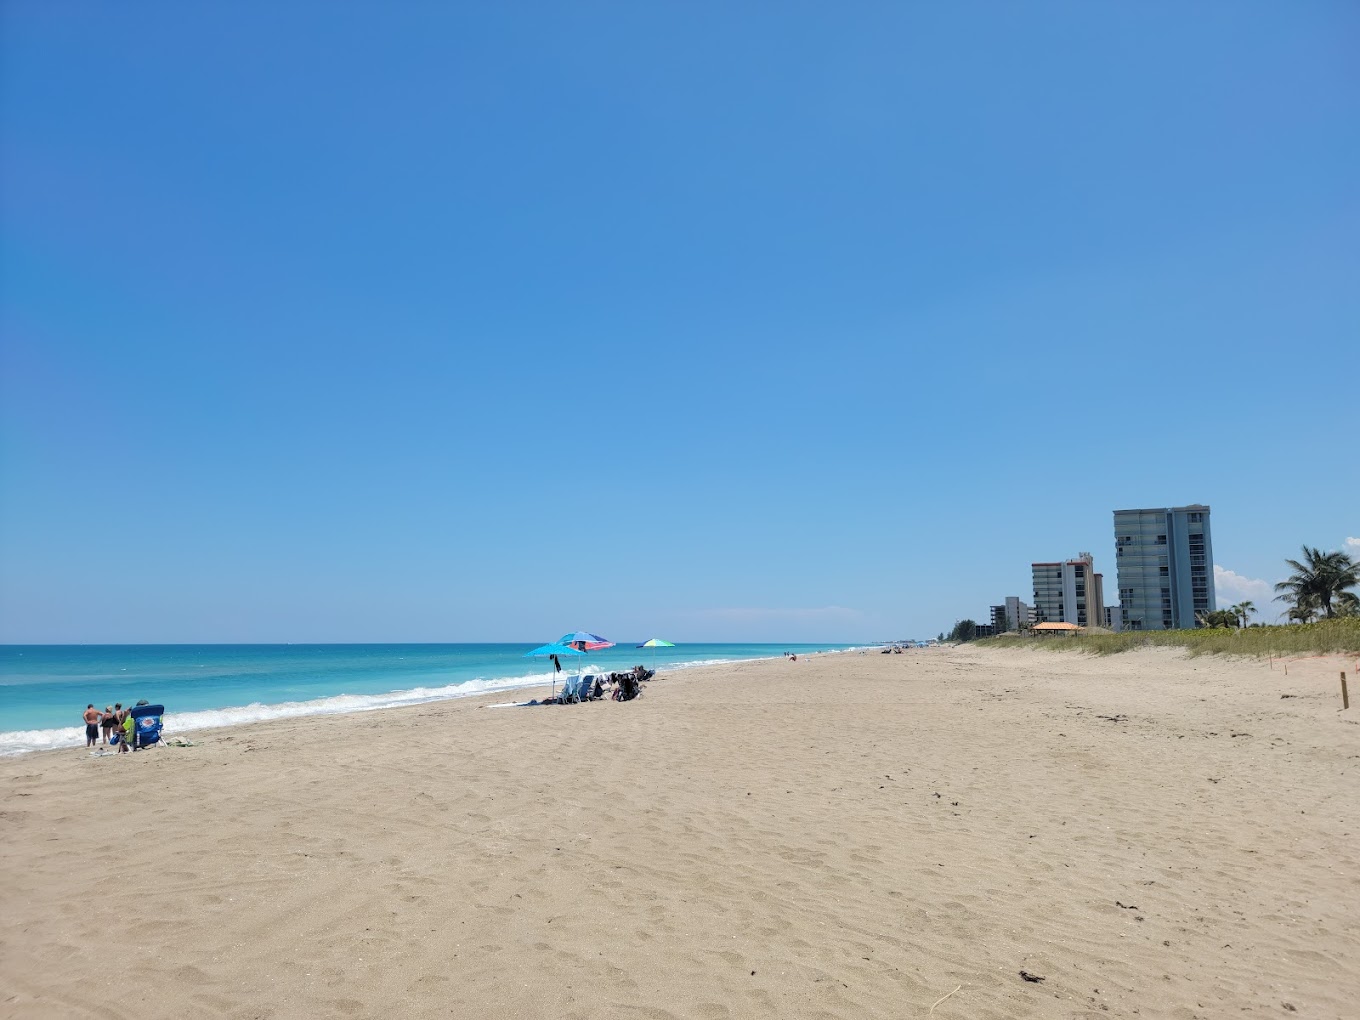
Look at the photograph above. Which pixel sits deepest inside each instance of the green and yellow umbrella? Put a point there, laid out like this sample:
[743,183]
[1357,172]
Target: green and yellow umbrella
[654,644]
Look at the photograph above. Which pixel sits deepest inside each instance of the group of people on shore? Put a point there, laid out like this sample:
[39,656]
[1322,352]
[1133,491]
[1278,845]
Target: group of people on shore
[618,686]
[611,686]
[623,686]
[113,718]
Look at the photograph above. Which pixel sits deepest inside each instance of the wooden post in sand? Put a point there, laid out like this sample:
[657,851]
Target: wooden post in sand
[1345,694]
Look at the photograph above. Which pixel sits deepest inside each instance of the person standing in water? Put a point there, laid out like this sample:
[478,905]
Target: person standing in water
[92,719]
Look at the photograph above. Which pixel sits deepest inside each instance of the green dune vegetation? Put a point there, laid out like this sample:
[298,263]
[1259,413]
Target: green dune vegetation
[1336,635]
[1318,593]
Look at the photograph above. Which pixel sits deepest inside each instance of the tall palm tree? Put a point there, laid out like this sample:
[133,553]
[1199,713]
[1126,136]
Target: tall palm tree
[1318,580]
[1243,610]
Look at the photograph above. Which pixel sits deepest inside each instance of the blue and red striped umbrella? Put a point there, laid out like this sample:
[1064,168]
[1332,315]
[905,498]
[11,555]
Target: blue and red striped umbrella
[585,641]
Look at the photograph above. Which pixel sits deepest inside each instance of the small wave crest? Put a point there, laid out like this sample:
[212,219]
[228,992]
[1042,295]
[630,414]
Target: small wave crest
[23,741]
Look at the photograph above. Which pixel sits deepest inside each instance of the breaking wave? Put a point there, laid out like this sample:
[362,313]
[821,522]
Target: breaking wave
[22,741]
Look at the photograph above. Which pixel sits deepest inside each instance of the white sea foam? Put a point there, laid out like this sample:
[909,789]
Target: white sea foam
[22,741]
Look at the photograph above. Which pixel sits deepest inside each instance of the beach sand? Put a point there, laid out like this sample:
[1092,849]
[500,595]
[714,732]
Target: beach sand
[853,835]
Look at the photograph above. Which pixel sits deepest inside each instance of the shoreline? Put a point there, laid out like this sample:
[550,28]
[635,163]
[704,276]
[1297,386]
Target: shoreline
[67,738]
[846,836]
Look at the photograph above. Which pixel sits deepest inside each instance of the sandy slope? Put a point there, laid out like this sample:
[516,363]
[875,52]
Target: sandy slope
[851,836]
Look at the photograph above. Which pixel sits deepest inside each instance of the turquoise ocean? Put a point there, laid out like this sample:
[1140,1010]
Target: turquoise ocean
[45,688]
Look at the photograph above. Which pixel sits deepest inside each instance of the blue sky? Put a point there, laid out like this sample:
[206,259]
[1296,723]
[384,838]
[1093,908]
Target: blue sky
[748,322]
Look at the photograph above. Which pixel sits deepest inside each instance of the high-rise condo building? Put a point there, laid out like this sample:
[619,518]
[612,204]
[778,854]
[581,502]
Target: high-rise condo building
[1165,562]
[1069,591]
[1012,616]
[1016,614]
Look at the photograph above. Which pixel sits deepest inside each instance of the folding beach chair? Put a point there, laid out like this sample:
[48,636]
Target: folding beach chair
[147,724]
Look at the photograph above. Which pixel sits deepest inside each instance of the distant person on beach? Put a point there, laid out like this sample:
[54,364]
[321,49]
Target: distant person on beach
[92,719]
[108,722]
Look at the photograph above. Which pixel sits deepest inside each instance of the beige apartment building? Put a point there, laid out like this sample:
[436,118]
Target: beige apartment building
[1069,591]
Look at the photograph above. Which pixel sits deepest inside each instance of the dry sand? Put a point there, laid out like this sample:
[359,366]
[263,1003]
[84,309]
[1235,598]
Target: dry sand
[850,836]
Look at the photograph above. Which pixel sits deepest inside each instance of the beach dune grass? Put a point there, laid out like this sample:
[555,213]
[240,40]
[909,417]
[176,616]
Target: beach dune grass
[1323,637]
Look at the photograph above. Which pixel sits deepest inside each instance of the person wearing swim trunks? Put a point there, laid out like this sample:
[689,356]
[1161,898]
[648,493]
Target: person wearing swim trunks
[92,718]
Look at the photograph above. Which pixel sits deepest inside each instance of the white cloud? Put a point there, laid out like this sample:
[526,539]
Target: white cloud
[1231,587]
[1353,544]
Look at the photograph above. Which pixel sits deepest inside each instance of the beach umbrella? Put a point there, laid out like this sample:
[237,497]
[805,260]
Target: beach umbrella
[654,644]
[585,641]
[558,649]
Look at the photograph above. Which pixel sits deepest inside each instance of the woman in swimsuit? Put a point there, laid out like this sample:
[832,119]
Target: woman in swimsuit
[108,722]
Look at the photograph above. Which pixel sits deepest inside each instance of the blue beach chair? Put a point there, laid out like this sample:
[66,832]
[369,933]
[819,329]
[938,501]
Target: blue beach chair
[578,689]
[148,722]
[568,694]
